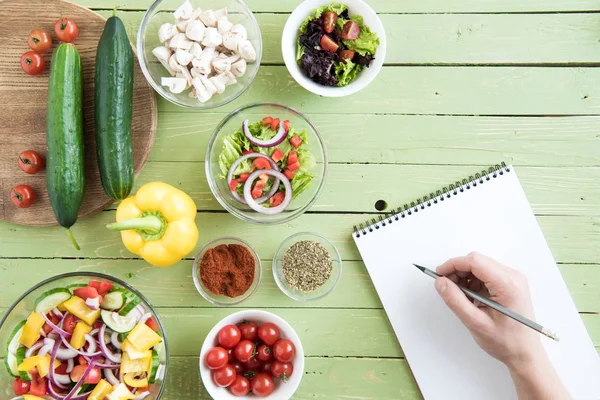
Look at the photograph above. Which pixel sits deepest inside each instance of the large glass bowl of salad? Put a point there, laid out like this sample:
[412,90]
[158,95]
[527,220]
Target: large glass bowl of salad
[102,337]
[266,163]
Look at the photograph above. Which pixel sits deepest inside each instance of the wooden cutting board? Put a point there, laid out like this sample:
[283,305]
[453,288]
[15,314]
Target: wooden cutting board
[23,106]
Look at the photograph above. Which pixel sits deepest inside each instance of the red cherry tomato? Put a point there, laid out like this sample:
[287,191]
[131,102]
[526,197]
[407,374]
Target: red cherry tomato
[229,336]
[38,384]
[244,350]
[269,333]
[249,330]
[263,353]
[284,350]
[240,386]
[252,364]
[86,292]
[20,388]
[39,40]
[31,162]
[282,370]
[101,287]
[61,369]
[262,385]
[54,319]
[266,367]
[93,377]
[69,323]
[22,196]
[224,376]
[32,63]
[216,358]
[66,30]
[239,368]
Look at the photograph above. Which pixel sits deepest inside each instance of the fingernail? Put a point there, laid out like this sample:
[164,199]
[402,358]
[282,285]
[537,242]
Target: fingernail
[440,285]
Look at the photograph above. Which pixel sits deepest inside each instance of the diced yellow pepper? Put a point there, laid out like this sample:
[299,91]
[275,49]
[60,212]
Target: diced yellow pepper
[131,380]
[120,392]
[78,338]
[143,337]
[61,307]
[31,329]
[76,306]
[133,352]
[101,390]
[31,397]
[135,366]
[44,365]
[29,363]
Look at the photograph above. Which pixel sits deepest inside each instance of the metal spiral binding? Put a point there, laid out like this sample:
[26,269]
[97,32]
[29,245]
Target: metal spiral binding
[432,198]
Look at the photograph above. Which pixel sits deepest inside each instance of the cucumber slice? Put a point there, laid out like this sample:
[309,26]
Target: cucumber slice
[133,301]
[15,336]
[74,286]
[114,300]
[116,322]
[160,350]
[25,377]
[154,367]
[51,299]
[11,364]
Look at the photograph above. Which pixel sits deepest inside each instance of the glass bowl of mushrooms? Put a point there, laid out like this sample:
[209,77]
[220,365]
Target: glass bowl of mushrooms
[199,53]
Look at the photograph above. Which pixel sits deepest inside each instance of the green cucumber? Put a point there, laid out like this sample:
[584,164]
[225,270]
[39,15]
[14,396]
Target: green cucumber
[15,336]
[11,364]
[154,367]
[51,299]
[25,377]
[114,100]
[114,300]
[65,178]
[116,322]
[132,302]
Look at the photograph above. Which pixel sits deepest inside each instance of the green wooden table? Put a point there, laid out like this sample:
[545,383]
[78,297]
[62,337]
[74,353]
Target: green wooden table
[467,83]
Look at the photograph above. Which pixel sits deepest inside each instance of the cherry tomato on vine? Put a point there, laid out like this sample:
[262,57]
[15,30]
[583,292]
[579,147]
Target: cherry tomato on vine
[244,350]
[31,162]
[229,336]
[216,358]
[262,385]
[281,370]
[269,333]
[66,30]
[249,330]
[240,386]
[224,376]
[284,350]
[22,196]
[39,40]
[264,353]
[253,364]
[32,63]
[239,368]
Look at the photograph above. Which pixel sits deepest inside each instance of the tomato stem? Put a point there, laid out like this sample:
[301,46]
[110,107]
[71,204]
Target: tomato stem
[70,234]
[63,23]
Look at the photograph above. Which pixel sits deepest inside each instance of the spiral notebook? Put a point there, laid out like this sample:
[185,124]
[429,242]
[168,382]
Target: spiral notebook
[488,213]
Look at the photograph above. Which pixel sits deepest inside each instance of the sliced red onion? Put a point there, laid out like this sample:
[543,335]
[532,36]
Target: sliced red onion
[70,365]
[57,312]
[93,303]
[142,395]
[235,165]
[71,395]
[53,335]
[90,340]
[274,141]
[114,339]
[33,348]
[116,358]
[55,328]
[49,341]
[255,204]
[110,377]
[63,380]
[110,366]
[66,354]
[51,374]
[160,372]
[94,331]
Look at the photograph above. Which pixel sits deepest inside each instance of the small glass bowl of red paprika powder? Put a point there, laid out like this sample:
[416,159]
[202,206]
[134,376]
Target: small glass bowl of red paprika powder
[227,271]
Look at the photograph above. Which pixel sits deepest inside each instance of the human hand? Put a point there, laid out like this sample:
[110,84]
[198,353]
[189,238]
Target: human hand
[503,338]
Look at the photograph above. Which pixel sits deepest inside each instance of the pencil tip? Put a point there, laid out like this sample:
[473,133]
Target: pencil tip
[418,266]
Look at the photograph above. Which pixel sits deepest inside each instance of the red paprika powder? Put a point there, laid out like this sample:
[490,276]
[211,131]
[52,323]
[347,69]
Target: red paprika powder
[227,269]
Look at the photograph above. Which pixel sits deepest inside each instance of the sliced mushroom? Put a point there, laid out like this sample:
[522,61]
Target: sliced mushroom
[196,13]
[182,24]
[222,13]
[196,50]
[222,64]
[195,72]
[219,83]
[223,26]
[246,50]
[209,18]
[177,40]
[230,41]
[192,93]
[204,62]
[202,93]
[183,57]
[238,68]
[238,29]
[195,30]
[167,31]
[173,63]
[212,38]
[230,78]
[163,54]
[208,84]
[175,85]
[183,72]
[184,11]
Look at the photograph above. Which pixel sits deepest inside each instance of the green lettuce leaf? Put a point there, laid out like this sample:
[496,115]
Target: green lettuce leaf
[232,150]
[300,182]
[346,72]
[366,42]
[306,159]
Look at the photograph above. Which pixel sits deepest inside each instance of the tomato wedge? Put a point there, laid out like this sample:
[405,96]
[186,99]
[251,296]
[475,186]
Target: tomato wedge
[275,124]
[277,155]
[292,157]
[266,121]
[261,163]
[86,292]
[244,177]
[289,174]
[257,191]
[233,184]
[277,199]
[101,287]
[294,166]
[296,141]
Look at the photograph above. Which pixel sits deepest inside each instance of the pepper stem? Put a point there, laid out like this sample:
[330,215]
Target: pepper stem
[115,11]
[149,224]
[70,234]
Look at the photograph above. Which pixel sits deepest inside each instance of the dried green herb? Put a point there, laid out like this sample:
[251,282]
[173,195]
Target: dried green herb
[307,265]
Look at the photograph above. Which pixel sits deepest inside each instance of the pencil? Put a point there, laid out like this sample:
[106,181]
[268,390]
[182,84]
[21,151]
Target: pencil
[498,307]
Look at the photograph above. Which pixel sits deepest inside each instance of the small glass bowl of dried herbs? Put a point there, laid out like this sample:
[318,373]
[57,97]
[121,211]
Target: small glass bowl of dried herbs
[307,266]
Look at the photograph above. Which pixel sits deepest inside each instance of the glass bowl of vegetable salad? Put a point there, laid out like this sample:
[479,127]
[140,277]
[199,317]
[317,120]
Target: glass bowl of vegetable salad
[102,337]
[266,163]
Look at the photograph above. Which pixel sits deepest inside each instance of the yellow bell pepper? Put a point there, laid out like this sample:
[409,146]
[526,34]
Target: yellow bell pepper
[78,338]
[61,307]
[42,363]
[158,223]
[143,337]
[31,397]
[135,366]
[133,352]
[131,380]
[76,306]
[31,329]
[101,390]
[120,392]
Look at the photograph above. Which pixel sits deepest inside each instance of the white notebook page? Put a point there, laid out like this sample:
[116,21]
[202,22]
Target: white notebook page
[493,218]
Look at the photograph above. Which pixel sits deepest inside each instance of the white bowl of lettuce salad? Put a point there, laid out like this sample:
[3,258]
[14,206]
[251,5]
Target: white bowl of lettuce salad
[345,77]
[236,156]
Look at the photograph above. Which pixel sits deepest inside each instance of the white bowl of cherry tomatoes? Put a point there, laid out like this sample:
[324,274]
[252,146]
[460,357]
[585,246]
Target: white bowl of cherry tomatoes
[252,354]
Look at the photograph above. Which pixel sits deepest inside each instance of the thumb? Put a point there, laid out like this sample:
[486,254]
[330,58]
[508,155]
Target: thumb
[456,301]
